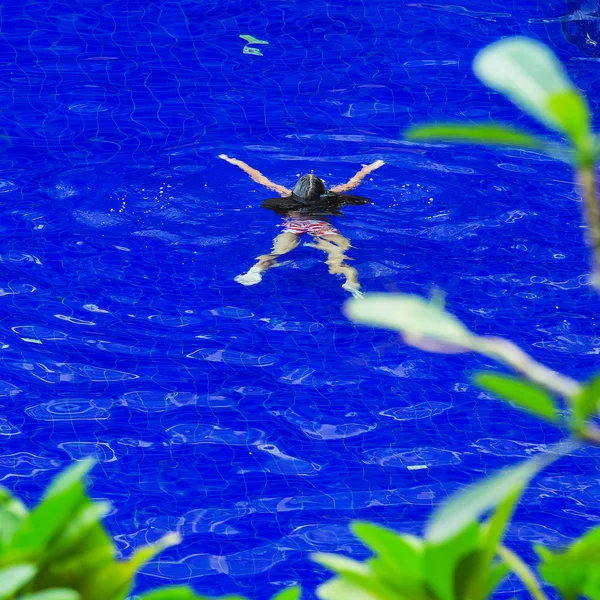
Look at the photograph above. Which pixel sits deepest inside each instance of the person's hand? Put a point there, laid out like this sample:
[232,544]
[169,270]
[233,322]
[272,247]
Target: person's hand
[375,165]
[225,157]
[370,168]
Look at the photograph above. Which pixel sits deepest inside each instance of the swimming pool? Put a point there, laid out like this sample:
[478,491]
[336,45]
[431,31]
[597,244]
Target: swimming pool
[258,421]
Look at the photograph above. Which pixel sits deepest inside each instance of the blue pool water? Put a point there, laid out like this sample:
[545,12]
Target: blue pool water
[259,421]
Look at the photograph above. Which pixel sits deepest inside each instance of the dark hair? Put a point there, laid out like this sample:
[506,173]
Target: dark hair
[309,189]
[310,197]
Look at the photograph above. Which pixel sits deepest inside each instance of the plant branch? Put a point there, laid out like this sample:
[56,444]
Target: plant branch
[510,354]
[587,179]
[522,571]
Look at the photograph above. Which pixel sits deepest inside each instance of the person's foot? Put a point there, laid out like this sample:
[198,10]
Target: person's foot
[354,289]
[252,277]
[285,263]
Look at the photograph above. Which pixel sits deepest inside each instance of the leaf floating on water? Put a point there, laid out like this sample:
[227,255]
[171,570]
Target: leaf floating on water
[250,50]
[252,40]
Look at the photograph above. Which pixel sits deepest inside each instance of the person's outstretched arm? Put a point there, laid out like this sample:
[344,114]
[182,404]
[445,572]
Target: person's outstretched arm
[257,175]
[355,181]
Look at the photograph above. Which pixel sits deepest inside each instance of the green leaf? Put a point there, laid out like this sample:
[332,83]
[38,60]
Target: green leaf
[339,589]
[52,594]
[114,580]
[12,515]
[566,575]
[12,579]
[522,570]
[591,589]
[80,525]
[251,50]
[574,570]
[469,572]
[75,570]
[496,573]
[527,395]
[292,593]
[45,521]
[94,540]
[484,575]
[472,502]
[529,74]
[571,110]
[411,315]
[65,497]
[172,592]
[442,560]
[401,556]
[480,133]
[496,526]
[588,545]
[76,562]
[69,478]
[252,40]
[586,404]
[394,583]
[341,565]
[354,572]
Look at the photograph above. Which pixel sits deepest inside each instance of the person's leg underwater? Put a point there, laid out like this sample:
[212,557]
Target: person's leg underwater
[335,247]
[285,242]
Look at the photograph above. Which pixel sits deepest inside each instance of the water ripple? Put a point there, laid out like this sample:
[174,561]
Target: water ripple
[72,373]
[233,357]
[214,434]
[7,428]
[420,458]
[420,410]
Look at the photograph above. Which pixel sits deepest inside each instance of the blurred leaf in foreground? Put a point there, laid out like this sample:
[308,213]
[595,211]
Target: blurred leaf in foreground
[522,393]
[480,133]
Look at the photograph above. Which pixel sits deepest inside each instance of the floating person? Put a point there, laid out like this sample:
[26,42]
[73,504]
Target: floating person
[306,209]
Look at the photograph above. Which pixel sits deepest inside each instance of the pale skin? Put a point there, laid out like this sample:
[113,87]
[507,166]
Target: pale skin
[334,245]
